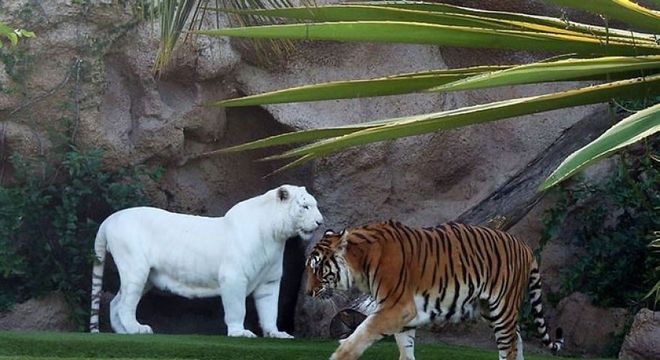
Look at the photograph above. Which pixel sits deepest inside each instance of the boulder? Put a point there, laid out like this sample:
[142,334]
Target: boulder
[643,339]
[588,329]
[50,313]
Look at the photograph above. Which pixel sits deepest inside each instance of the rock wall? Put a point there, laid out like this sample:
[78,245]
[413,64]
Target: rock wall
[94,61]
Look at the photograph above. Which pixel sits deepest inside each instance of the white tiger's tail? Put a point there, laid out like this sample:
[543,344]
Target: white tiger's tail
[100,250]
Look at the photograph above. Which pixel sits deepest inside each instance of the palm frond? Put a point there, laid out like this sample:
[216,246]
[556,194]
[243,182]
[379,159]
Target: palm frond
[443,15]
[654,247]
[178,15]
[626,60]
[479,77]
[629,130]
[331,140]
[174,15]
[627,11]
[445,35]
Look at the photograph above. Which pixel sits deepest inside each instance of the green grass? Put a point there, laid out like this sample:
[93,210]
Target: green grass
[27,345]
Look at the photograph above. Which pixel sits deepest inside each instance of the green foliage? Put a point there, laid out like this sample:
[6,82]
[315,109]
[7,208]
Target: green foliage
[17,63]
[12,35]
[176,16]
[435,23]
[654,294]
[48,222]
[612,221]
[613,346]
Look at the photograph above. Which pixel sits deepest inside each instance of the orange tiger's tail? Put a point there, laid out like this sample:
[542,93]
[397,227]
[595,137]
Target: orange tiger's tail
[537,311]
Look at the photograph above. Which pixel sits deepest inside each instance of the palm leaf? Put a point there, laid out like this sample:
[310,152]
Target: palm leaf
[655,248]
[629,12]
[542,20]
[629,130]
[562,70]
[393,85]
[376,12]
[605,68]
[174,15]
[177,15]
[433,34]
[420,124]
[341,138]
[627,54]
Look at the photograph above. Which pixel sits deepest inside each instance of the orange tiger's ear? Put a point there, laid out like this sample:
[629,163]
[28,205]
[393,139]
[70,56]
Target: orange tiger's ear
[343,244]
[329,232]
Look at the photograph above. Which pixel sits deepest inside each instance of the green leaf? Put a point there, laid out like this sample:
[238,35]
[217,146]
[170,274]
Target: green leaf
[605,68]
[13,34]
[339,138]
[13,38]
[398,84]
[345,12]
[4,29]
[518,17]
[290,138]
[299,137]
[420,124]
[629,130]
[433,34]
[443,15]
[25,33]
[176,15]
[629,12]
[562,70]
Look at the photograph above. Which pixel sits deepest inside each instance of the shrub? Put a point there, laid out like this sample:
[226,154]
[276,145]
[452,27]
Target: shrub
[48,223]
[614,221]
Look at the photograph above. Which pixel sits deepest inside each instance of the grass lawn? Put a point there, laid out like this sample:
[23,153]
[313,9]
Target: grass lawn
[41,345]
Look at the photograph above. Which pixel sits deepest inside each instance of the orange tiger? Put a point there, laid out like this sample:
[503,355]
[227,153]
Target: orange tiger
[419,276]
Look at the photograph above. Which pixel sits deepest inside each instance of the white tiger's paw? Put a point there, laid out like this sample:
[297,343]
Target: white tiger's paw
[145,329]
[139,329]
[279,335]
[242,333]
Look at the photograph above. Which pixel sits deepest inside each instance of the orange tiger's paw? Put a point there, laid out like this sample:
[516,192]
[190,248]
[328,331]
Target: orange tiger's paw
[343,355]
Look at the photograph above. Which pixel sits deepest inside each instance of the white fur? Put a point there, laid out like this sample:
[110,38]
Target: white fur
[195,256]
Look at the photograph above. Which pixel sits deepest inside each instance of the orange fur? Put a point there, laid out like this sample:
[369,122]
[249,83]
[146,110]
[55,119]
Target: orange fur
[418,276]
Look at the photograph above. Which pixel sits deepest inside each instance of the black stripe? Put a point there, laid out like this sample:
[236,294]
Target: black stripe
[452,308]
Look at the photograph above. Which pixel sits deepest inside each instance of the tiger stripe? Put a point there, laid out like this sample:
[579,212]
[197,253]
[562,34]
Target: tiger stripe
[439,274]
[100,249]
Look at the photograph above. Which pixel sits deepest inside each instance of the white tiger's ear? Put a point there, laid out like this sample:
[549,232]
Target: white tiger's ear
[282,194]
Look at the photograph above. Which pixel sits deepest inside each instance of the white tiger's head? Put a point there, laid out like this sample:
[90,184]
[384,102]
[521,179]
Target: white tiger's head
[303,213]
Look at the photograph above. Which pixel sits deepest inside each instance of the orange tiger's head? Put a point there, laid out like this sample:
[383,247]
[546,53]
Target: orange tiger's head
[326,266]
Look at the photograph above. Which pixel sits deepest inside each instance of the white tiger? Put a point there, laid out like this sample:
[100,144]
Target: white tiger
[194,256]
